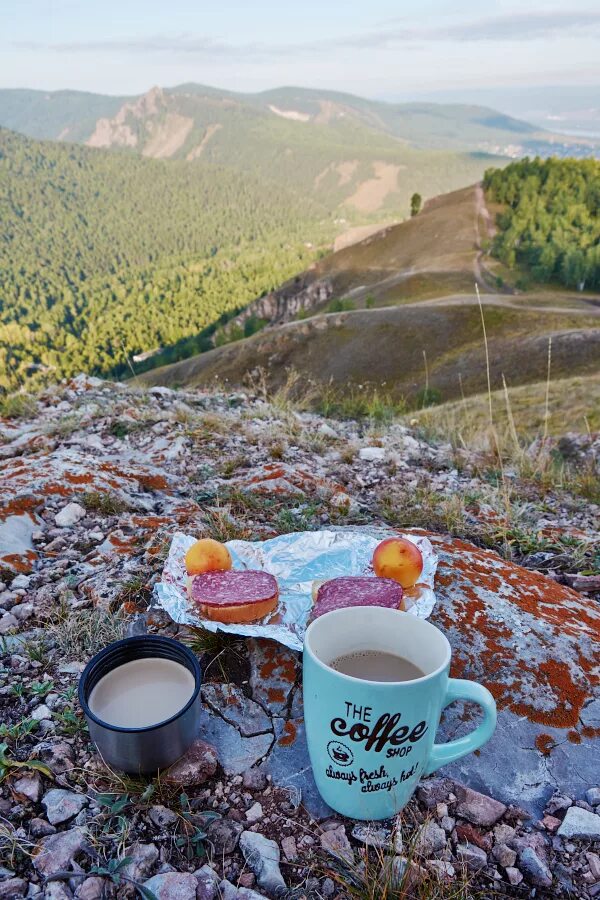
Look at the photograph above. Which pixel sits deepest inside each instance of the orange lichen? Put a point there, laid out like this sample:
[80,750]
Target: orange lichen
[276,695]
[85,478]
[574,737]
[289,734]
[277,661]
[20,562]
[545,744]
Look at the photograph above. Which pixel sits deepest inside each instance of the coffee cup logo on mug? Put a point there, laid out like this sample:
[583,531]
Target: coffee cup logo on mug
[370,741]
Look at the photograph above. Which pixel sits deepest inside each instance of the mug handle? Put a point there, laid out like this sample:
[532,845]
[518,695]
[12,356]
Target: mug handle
[460,689]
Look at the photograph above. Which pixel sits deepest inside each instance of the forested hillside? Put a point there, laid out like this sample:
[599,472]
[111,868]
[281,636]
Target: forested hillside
[103,255]
[551,223]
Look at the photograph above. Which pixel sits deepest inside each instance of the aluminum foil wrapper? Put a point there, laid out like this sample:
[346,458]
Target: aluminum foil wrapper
[296,560]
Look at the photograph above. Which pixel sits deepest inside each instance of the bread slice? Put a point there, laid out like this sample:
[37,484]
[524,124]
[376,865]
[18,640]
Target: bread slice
[234,597]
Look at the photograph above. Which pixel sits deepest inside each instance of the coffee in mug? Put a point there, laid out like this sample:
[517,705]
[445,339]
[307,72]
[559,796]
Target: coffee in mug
[376,665]
[375,684]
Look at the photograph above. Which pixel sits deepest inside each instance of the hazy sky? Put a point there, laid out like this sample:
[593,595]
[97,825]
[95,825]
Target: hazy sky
[372,47]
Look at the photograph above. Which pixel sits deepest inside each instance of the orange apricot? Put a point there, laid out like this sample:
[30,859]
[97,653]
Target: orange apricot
[399,559]
[207,555]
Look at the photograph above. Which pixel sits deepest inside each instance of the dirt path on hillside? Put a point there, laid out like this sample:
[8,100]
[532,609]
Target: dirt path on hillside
[504,302]
[482,214]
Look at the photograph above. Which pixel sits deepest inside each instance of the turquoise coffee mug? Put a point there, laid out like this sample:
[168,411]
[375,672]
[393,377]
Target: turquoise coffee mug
[371,741]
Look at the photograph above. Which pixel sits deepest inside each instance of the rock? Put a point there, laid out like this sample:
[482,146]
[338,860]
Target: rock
[432,791]
[228,891]
[290,851]
[487,607]
[228,701]
[20,582]
[93,888]
[473,857]
[336,843]
[8,623]
[594,864]
[504,855]
[196,766]
[478,808]
[22,612]
[593,796]
[255,813]
[143,858]
[173,886]
[514,876]
[41,712]
[372,836]
[69,515]
[579,823]
[372,454]
[59,851]
[404,875]
[430,839]
[236,752]
[224,835]
[161,816]
[57,755]
[503,833]
[62,805]
[255,779]
[57,890]
[13,888]
[262,856]
[29,786]
[41,828]
[207,883]
[468,834]
[441,868]
[558,803]
[550,823]
[535,869]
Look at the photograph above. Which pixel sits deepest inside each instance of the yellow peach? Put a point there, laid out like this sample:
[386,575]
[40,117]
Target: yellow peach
[207,555]
[399,559]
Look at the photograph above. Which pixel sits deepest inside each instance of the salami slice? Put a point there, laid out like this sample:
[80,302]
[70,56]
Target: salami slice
[357,590]
[233,588]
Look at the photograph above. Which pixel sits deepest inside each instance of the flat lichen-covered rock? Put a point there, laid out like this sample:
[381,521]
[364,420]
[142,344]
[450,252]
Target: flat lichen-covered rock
[535,645]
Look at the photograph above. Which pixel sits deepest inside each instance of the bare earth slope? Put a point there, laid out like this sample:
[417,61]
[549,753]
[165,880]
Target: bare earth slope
[413,289]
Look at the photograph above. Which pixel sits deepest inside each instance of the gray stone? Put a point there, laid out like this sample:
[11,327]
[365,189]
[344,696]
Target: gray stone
[236,753]
[504,855]
[248,894]
[432,791]
[13,888]
[69,515]
[441,867]
[579,823]
[173,886]
[8,623]
[372,454]
[372,835]
[478,808]
[290,851]
[262,855]
[57,890]
[473,857]
[223,835]
[430,839]
[557,803]
[93,888]
[336,843]
[22,612]
[593,796]
[228,701]
[514,876]
[228,891]
[41,828]
[255,813]
[57,755]
[196,766]
[161,816]
[289,765]
[207,883]
[511,645]
[29,786]
[535,869]
[58,851]
[143,858]
[255,779]
[62,805]
[41,712]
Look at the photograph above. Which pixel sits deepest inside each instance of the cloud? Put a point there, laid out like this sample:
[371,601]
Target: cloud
[526,26]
